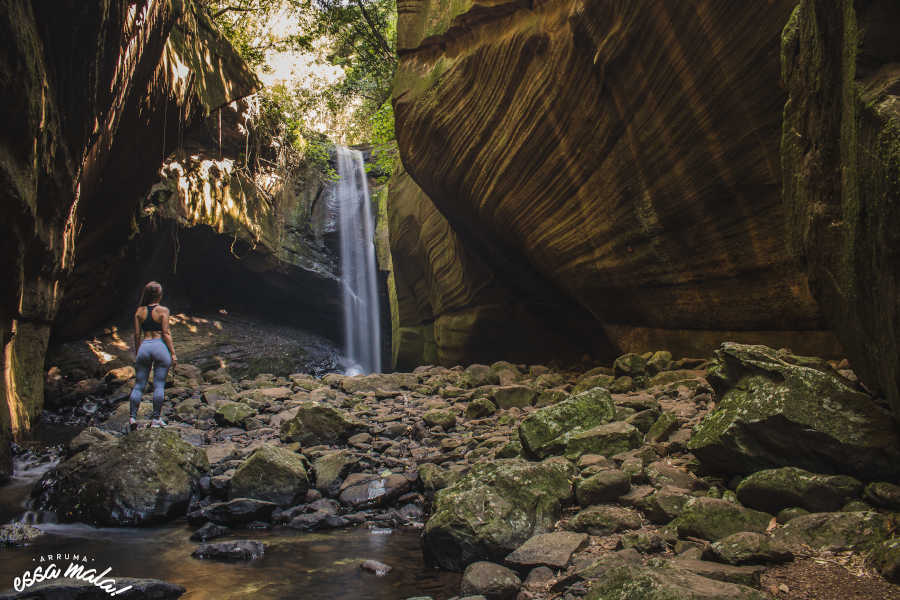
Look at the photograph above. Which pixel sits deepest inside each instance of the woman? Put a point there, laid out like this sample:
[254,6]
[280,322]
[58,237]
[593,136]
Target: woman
[155,349]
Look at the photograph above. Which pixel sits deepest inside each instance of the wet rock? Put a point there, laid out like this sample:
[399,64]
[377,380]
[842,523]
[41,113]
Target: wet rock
[87,437]
[317,424]
[622,385]
[18,534]
[547,549]
[713,519]
[309,521]
[787,514]
[480,408]
[607,439]
[588,382]
[605,520]
[443,418]
[777,409]
[495,508]
[664,582]
[209,531]
[73,589]
[239,511]
[331,469]
[605,486]
[493,581]
[774,489]
[231,550]
[749,548]
[271,473]
[834,531]
[885,558]
[233,414]
[547,430]
[508,396]
[137,479]
[378,568]
[883,494]
[364,490]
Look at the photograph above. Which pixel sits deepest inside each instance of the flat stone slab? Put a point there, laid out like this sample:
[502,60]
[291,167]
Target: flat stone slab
[548,549]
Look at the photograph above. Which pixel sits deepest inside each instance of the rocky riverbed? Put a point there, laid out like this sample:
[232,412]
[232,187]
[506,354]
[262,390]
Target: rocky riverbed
[752,474]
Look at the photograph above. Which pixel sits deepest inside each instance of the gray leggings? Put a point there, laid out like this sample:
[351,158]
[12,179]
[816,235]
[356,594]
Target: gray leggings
[151,351]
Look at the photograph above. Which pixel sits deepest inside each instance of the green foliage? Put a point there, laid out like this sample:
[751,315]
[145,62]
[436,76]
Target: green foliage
[359,36]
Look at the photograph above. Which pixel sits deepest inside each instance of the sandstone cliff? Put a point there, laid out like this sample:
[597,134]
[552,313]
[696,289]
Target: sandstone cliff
[841,167]
[91,89]
[623,156]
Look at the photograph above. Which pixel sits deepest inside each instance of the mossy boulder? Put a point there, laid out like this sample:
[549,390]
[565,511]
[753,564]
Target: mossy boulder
[547,430]
[331,468]
[834,531]
[662,428]
[771,490]
[605,486]
[713,519]
[664,505]
[140,478]
[660,581]
[271,473]
[589,382]
[883,494]
[605,520]
[631,365]
[885,558]
[509,396]
[319,424]
[233,414]
[494,509]
[607,440]
[434,477]
[478,375]
[750,548]
[660,361]
[480,408]
[443,418]
[777,409]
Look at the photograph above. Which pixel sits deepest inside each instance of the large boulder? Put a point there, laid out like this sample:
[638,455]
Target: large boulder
[833,531]
[713,519]
[271,473]
[489,580]
[78,589]
[777,409]
[494,509]
[318,424]
[547,431]
[141,478]
[774,489]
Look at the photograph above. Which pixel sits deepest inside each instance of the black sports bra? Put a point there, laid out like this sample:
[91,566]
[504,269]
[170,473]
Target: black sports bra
[149,324]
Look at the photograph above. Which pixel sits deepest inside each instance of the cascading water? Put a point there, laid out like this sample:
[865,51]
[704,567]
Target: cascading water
[362,328]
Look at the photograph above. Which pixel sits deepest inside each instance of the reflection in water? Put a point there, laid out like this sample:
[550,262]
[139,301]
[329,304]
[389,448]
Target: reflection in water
[295,565]
[310,566]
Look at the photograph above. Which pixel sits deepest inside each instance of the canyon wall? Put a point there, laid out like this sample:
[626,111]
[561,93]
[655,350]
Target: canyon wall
[840,152]
[95,91]
[622,156]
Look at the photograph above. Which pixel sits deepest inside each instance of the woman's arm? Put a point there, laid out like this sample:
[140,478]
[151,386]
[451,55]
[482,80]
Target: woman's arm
[137,331]
[167,337]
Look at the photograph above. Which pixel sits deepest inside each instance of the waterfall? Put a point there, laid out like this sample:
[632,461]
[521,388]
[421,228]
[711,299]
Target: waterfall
[362,327]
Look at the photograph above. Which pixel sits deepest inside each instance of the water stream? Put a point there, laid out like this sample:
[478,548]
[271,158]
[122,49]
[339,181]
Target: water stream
[362,328]
[312,566]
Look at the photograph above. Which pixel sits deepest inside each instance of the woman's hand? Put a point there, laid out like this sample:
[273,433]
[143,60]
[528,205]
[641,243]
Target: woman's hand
[174,361]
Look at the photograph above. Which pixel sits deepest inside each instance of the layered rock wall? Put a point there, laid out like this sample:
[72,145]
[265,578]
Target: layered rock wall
[82,81]
[623,156]
[840,152]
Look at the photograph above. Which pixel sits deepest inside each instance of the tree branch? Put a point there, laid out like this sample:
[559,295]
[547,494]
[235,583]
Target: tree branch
[386,48]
